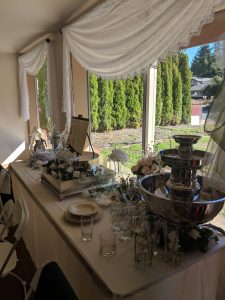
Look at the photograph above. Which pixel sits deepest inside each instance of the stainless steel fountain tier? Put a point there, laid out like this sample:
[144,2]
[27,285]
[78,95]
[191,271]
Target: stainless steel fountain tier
[157,196]
[177,196]
[184,163]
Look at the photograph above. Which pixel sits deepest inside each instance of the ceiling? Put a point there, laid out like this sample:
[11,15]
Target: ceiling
[24,21]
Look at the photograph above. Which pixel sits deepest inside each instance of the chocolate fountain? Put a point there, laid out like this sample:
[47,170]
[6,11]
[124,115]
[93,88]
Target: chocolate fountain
[178,196]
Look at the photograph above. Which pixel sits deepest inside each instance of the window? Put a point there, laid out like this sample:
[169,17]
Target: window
[116,111]
[43,113]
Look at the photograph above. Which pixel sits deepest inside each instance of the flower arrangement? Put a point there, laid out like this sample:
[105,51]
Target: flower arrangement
[148,165]
[64,171]
[198,237]
[187,238]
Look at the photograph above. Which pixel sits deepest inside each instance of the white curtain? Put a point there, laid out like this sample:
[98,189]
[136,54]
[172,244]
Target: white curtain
[220,52]
[29,63]
[53,96]
[68,106]
[120,38]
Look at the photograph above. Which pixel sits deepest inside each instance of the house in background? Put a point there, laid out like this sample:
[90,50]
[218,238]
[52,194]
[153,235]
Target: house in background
[199,111]
[198,85]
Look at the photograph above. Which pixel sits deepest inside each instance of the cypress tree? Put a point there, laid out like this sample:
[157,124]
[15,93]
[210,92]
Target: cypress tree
[42,96]
[167,110]
[140,82]
[159,99]
[94,100]
[133,103]
[104,109]
[119,113]
[186,87]
[177,94]
[111,95]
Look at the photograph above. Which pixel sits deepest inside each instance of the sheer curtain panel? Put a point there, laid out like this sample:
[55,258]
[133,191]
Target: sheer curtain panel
[29,63]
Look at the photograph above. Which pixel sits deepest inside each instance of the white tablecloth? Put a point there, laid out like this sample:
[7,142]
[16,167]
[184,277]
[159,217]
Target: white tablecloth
[50,237]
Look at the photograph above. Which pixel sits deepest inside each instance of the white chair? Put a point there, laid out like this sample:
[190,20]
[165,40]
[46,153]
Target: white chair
[8,257]
[5,186]
[5,218]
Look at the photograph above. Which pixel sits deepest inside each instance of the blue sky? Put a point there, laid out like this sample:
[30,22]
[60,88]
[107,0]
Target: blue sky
[192,52]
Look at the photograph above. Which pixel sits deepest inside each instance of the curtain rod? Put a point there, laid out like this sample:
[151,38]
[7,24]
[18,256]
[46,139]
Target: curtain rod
[48,37]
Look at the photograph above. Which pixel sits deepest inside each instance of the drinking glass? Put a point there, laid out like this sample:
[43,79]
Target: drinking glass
[143,250]
[115,212]
[86,228]
[137,217]
[107,243]
[125,226]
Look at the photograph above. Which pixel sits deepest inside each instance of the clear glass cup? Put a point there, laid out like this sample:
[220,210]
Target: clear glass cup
[125,225]
[137,214]
[107,243]
[143,251]
[87,223]
[115,212]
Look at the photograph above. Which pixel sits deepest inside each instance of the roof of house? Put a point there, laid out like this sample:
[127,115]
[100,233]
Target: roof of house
[201,84]
[198,87]
[201,79]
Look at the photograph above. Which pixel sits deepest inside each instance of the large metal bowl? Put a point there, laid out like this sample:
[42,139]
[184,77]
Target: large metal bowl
[180,212]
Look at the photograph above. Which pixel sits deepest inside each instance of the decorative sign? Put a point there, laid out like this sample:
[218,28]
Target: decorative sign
[78,133]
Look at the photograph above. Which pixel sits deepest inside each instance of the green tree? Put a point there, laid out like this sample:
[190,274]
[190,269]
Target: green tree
[94,101]
[42,97]
[111,96]
[177,93]
[159,97]
[134,111]
[119,113]
[105,108]
[167,109]
[140,82]
[186,87]
[204,63]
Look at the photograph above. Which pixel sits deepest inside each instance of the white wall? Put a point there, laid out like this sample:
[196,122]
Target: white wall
[195,120]
[13,130]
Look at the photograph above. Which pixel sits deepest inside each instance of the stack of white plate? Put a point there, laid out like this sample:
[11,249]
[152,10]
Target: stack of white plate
[82,209]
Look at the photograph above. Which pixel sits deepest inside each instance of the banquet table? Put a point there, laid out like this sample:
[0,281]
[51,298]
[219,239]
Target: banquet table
[48,236]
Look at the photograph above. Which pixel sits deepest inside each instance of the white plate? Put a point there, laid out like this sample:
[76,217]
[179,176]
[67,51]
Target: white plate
[82,209]
[76,220]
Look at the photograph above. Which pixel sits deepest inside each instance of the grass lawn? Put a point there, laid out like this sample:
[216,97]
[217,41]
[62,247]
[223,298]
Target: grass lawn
[164,140]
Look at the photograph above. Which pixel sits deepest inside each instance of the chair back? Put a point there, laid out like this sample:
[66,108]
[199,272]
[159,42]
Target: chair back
[5,216]
[21,214]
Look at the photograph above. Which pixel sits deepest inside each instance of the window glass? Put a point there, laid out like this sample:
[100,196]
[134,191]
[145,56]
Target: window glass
[116,110]
[42,99]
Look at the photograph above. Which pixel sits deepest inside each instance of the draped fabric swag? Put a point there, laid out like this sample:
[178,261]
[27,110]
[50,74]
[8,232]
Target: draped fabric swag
[30,63]
[118,38]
